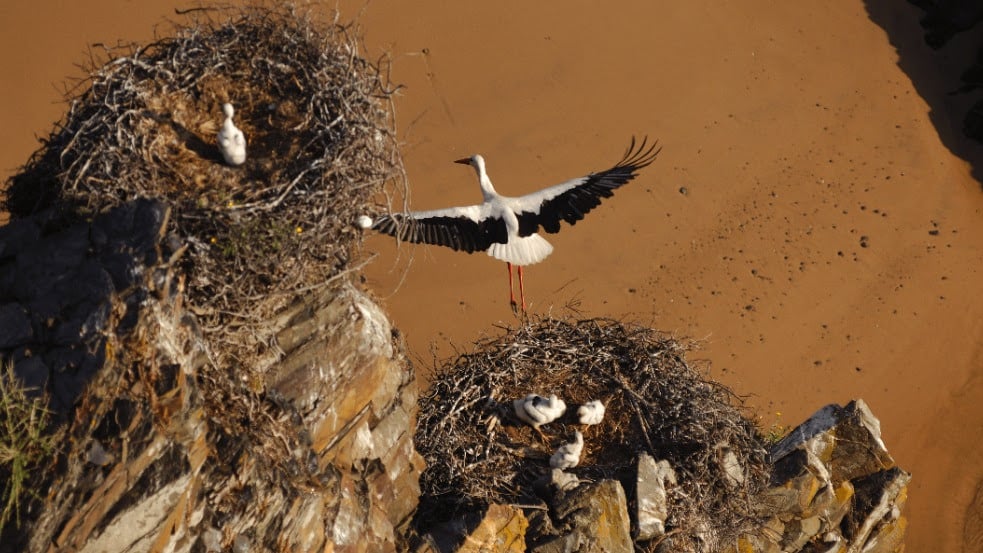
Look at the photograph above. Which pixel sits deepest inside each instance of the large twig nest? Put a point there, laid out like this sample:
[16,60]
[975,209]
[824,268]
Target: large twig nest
[478,453]
[143,124]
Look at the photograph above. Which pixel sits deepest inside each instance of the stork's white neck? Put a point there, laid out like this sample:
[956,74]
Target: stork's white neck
[487,190]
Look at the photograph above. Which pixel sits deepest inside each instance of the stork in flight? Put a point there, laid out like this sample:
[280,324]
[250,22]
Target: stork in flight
[506,227]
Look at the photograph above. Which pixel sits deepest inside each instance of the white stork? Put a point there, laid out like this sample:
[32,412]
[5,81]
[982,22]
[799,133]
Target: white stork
[231,141]
[506,227]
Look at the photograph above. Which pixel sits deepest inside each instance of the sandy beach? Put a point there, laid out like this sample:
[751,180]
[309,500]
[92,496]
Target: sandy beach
[815,216]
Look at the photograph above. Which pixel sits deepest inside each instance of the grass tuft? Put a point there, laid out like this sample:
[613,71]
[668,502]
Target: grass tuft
[27,443]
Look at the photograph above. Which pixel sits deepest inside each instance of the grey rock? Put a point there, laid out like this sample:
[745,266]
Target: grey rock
[730,465]
[653,479]
[849,436]
[833,489]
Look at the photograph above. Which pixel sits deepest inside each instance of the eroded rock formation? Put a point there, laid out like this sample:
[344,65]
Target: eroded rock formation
[168,452]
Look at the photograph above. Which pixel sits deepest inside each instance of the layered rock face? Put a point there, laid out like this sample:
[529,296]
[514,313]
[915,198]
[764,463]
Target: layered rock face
[835,488]
[168,452]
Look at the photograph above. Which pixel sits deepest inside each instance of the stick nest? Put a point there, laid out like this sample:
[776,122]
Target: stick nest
[319,129]
[479,453]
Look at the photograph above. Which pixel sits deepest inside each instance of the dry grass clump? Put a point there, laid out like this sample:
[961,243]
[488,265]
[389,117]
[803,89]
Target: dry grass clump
[478,452]
[143,124]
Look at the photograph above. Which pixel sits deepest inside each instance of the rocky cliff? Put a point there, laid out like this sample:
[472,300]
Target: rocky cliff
[166,452]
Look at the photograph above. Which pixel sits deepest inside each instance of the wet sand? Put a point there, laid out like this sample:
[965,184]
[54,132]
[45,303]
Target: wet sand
[827,246]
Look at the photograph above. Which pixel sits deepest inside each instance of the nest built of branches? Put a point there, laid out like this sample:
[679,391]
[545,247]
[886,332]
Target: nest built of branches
[246,241]
[479,453]
[319,128]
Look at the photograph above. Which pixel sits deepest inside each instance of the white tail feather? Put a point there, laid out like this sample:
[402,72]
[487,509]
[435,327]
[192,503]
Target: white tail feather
[522,251]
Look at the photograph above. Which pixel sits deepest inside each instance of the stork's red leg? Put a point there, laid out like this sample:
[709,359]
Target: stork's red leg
[511,290]
[522,291]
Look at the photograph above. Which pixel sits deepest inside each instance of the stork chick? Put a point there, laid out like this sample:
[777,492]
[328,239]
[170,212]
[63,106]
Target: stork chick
[591,412]
[231,141]
[535,410]
[568,455]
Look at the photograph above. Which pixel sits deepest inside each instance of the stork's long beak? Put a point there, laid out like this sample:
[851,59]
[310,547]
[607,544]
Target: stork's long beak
[465,161]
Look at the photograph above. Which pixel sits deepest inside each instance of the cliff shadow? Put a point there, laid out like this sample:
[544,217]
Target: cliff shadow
[938,45]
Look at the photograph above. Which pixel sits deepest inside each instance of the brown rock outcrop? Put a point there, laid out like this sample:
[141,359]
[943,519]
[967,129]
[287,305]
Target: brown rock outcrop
[834,488]
[168,452]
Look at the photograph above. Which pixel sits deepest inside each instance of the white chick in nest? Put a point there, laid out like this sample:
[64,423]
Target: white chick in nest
[591,412]
[568,455]
[537,410]
[231,141]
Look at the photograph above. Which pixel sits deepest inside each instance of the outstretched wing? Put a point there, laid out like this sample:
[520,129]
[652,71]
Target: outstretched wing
[570,200]
[469,229]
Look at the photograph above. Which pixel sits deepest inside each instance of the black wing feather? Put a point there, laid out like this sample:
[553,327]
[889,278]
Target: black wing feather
[573,204]
[457,233]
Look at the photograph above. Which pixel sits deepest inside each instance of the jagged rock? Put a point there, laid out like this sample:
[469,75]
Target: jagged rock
[591,518]
[848,439]
[799,531]
[875,523]
[832,489]
[149,466]
[651,496]
[501,528]
[796,478]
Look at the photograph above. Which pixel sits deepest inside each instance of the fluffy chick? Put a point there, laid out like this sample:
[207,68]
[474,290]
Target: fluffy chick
[568,455]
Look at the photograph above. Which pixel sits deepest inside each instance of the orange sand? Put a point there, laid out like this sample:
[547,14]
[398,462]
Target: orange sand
[791,125]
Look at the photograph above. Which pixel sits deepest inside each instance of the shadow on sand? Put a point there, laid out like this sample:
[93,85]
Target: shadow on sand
[938,71]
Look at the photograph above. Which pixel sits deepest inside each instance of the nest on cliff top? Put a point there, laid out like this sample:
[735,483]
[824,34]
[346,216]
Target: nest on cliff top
[319,128]
[478,452]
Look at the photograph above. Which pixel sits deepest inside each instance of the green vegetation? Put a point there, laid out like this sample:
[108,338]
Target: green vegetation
[774,433]
[26,442]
